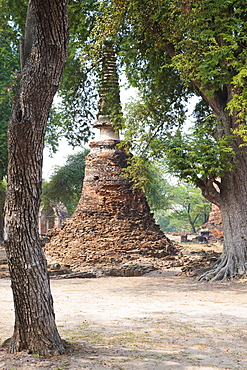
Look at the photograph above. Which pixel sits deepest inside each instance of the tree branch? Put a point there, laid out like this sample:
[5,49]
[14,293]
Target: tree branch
[209,191]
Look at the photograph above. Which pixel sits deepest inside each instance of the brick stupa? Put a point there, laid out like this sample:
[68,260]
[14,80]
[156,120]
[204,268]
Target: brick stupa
[112,225]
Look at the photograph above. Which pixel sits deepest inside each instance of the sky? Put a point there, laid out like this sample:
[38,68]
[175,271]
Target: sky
[57,159]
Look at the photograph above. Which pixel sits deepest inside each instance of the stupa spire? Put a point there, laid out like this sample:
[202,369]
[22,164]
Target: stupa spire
[109,105]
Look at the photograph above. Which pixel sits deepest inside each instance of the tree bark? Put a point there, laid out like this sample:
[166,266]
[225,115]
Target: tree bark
[230,195]
[233,206]
[43,59]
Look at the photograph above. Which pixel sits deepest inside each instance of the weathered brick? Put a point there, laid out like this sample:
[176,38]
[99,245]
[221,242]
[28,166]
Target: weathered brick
[112,222]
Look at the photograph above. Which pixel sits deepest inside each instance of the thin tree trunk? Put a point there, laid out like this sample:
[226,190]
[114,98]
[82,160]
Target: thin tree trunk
[43,59]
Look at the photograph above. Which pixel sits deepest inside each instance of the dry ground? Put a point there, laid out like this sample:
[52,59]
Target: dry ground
[161,321]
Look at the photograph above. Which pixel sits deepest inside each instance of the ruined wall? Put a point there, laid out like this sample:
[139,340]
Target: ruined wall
[214,224]
[50,216]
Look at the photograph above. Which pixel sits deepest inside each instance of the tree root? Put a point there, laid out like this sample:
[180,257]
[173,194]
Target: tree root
[227,267]
[6,343]
[45,349]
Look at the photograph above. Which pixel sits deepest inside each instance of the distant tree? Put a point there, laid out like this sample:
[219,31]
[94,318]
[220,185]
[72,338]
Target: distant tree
[65,183]
[187,209]
[176,207]
[151,180]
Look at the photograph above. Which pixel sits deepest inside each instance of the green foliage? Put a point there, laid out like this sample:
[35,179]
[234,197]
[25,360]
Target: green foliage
[205,40]
[139,171]
[77,93]
[198,156]
[176,207]
[14,12]
[194,155]
[73,115]
[65,183]
[12,22]
[157,190]
[186,210]
[3,184]
[149,177]
[170,48]
[9,66]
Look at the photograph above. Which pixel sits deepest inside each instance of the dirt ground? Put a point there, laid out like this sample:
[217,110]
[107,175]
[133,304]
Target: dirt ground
[161,321]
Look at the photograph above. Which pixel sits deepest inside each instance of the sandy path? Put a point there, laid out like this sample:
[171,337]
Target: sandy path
[141,323]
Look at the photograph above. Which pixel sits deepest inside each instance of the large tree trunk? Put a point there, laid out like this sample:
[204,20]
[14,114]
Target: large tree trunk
[230,195]
[43,58]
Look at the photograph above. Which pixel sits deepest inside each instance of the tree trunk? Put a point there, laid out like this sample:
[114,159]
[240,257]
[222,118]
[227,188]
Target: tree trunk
[43,58]
[233,206]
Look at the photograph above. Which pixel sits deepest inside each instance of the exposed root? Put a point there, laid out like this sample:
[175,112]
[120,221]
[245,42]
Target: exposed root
[6,343]
[227,267]
[43,348]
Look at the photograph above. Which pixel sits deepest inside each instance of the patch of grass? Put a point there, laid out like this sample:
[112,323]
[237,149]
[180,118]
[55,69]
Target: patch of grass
[63,365]
[126,339]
